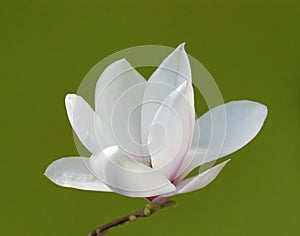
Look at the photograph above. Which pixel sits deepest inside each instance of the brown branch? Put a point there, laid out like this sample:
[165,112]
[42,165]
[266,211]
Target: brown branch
[146,211]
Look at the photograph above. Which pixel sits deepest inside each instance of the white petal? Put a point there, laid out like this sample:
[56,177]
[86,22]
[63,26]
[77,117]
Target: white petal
[126,176]
[84,121]
[126,122]
[201,180]
[172,130]
[197,182]
[74,172]
[243,121]
[116,79]
[172,72]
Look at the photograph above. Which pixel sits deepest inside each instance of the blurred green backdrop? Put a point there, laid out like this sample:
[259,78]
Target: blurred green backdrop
[250,47]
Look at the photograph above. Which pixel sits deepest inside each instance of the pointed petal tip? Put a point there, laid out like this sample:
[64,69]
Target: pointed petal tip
[47,173]
[259,105]
[122,60]
[122,63]
[117,64]
[185,86]
[222,164]
[49,176]
[265,108]
[181,46]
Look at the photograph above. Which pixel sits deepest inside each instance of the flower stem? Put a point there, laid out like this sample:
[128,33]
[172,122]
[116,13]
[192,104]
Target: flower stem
[146,211]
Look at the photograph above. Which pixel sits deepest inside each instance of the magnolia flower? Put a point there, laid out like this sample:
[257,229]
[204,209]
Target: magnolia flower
[143,135]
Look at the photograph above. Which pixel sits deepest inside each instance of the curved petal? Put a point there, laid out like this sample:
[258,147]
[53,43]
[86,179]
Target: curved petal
[172,130]
[174,70]
[74,172]
[84,121]
[126,123]
[115,80]
[126,176]
[244,119]
[171,73]
[197,182]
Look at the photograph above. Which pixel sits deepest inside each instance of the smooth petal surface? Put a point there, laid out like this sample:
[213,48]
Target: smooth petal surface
[116,79]
[126,123]
[171,73]
[126,176]
[243,121]
[197,182]
[74,172]
[84,121]
[174,70]
[172,130]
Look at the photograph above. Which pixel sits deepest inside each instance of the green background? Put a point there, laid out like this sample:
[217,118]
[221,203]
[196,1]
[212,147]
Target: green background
[250,47]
